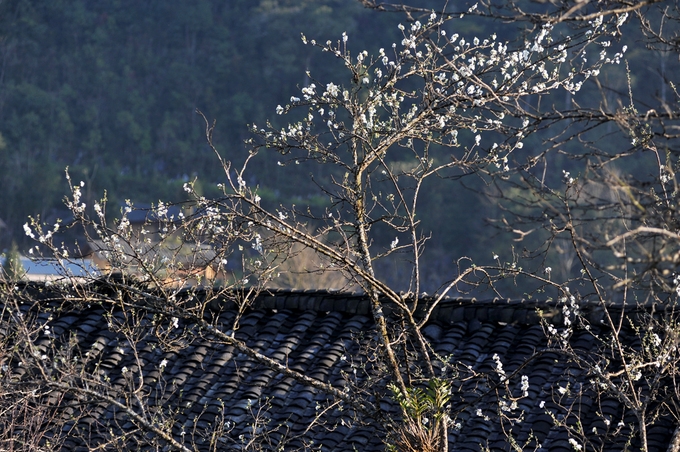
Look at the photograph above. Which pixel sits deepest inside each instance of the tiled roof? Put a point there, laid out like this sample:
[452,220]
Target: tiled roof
[52,270]
[323,335]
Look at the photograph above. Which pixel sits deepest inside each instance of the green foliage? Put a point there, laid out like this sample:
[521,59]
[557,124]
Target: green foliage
[425,414]
[12,270]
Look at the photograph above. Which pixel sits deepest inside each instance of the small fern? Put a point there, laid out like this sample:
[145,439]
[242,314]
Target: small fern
[425,417]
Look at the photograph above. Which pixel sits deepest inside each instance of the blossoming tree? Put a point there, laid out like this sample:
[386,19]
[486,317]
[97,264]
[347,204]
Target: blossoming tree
[438,104]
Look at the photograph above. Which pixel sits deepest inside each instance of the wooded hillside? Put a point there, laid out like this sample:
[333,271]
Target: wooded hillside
[110,90]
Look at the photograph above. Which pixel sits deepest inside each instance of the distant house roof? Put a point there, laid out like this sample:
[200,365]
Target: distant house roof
[323,335]
[188,258]
[42,270]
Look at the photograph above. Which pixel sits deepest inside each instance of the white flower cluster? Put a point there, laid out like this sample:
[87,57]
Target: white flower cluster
[499,367]
[161,209]
[481,414]
[309,91]
[74,204]
[676,284]
[332,90]
[570,311]
[525,386]
[507,407]
[124,224]
[29,231]
[575,444]
[42,237]
[463,74]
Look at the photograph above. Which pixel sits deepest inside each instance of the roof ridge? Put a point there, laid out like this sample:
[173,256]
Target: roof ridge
[448,310]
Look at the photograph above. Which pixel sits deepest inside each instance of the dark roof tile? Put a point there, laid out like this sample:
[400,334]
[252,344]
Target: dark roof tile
[316,333]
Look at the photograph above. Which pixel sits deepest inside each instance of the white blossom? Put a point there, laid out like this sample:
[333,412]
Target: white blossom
[332,89]
[28,231]
[499,367]
[575,444]
[525,386]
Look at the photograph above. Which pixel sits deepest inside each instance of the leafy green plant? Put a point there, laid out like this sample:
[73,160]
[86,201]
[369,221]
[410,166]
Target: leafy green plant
[12,269]
[425,416]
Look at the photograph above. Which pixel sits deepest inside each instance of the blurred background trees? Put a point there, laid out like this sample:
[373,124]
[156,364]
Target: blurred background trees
[110,90]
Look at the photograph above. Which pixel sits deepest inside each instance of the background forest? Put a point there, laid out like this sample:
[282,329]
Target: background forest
[110,90]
